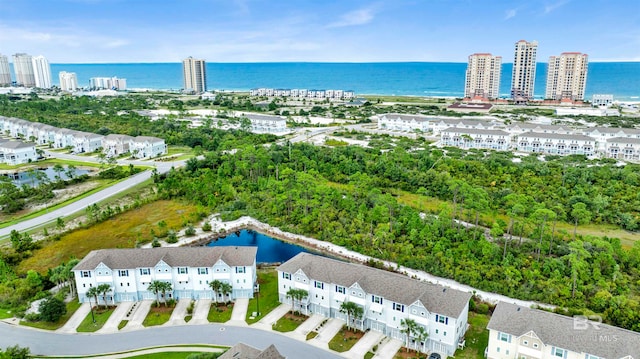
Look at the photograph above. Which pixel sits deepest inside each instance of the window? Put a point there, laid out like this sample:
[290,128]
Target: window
[318,285]
[239,269]
[558,352]
[535,345]
[123,273]
[445,334]
[589,356]
[145,271]
[376,299]
[504,337]
[85,274]
[437,331]
[442,319]
[203,270]
[399,307]
[182,270]
[524,342]
[340,289]
[286,275]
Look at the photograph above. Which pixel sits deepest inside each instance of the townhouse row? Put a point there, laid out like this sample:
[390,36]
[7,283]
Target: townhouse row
[17,152]
[82,142]
[517,332]
[190,270]
[304,93]
[619,143]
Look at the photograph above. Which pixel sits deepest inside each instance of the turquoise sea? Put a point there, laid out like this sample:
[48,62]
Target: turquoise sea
[439,79]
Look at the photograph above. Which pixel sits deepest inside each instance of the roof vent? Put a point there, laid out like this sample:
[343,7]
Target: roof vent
[518,309]
[444,290]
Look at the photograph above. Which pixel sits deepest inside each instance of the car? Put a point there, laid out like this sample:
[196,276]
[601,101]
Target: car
[434,356]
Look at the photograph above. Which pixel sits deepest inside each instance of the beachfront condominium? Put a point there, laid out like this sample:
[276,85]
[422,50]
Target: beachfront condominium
[567,76]
[108,83]
[483,77]
[5,72]
[23,68]
[524,70]
[41,72]
[194,74]
[68,81]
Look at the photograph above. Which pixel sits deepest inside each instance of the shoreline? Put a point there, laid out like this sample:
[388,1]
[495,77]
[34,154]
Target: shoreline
[221,229]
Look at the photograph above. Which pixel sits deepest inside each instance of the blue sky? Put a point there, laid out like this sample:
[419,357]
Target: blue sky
[315,30]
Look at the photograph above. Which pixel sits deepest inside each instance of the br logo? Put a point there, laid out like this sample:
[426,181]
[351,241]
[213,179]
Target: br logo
[583,322]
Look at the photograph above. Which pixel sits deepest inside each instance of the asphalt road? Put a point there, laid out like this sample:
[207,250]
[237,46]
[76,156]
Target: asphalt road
[48,343]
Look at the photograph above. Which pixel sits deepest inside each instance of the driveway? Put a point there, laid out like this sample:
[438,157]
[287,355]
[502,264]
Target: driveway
[142,309]
[50,343]
[327,332]
[76,319]
[269,319]
[365,344]
[118,315]
[389,349]
[201,311]
[239,312]
[309,325]
[179,312]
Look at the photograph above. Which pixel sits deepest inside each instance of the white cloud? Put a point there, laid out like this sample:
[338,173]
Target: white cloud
[510,13]
[354,18]
[551,7]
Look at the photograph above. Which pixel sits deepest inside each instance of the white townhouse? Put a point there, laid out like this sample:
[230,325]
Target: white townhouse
[517,128]
[604,134]
[349,94]
[266,123]
[115,144]
[148,147]
[385,297]
[556,144]
[64,138]
[517,332]
[623,148]
[86,142]
[474,138]
[400,122]
[17,152]
[18,127]
[188,269]
[46,134]
[443,123]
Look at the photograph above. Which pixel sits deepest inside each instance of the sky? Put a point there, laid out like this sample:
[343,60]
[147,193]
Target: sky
[107,31]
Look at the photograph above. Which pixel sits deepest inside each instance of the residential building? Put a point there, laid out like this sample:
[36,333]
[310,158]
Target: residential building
[386,299]
[524,71]
[400,122]
[517,128]
[517,332]
[442,123]
[5,71]
[194,74]
[23,69]
[623,148]
[567,76]
[601,100]
[556,144]
[68,81]
[482,80]
[588,111]
[108,83]
[189,270]
[303,93]
[266,123]
[474,138]
[41,72]
[17,152]
[116,145]
[86,142]
[243,351]
[148,147]
[470,107]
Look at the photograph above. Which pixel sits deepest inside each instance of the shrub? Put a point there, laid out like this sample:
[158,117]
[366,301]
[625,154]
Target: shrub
[190,307]
[190,231]
[51,309]
[156,243]
[172,237]
[206,227]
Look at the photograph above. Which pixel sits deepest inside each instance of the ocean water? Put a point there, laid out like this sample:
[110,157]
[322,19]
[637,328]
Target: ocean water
[439,79]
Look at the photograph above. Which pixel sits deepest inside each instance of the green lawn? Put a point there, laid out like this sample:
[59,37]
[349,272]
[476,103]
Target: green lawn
[71,308]
[5,313]
[289,322]
[219,313]
[344,340]
[101,317]
[477,338]
[157,316]
[268,280]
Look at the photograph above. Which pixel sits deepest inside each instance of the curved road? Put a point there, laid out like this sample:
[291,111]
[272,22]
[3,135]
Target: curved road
[48,343]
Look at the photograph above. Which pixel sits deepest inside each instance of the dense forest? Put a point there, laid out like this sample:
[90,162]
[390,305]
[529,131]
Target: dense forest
[344,195]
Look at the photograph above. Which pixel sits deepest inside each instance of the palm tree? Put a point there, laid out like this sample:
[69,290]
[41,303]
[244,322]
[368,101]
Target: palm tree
[421,335]
[409,326]
[104,288]
[353,312]
[165,287]
[296,295]
[215,287]
[226,289]
[93,292]
[156,288]
[67,275]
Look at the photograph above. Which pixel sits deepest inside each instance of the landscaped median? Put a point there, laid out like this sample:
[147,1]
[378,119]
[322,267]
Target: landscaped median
[220,312]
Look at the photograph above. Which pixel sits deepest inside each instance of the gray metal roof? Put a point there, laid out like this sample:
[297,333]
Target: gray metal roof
[175,257]
[408,117]
[475,131]
[243,351]
[147,138]
[391,286]
[556,136]
[254,116]
[16,144]
[635,141]
[628,131]
[601,340]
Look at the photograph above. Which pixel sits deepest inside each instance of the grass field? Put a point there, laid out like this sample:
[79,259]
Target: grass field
[268,280]
[71,308]
[5,313]
[122,231]
[157,316]
[345,340]
[476,339]
[219,313]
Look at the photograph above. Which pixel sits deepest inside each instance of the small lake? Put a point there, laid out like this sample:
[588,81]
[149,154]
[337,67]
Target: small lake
[25,177]
[270,250]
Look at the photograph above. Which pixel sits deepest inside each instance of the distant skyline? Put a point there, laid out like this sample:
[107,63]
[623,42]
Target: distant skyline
[109,31]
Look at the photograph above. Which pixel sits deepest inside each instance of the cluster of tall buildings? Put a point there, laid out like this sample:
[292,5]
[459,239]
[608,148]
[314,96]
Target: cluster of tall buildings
[30,71]
[566,75]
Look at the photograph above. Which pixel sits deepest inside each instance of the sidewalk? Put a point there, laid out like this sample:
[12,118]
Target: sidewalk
[111,326]
[76,319]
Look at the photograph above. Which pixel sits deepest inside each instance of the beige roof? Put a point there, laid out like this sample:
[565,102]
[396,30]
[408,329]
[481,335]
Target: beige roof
[391,286]
[243,351]
[175,257]
[408,117]
[604,341]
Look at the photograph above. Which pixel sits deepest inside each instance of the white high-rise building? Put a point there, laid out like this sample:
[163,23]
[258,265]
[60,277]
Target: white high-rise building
[567,76]
[194,73]
[41,72]
[108,83]
[23,68]
[68,81]
[5,71]
[524,70]
[483,76]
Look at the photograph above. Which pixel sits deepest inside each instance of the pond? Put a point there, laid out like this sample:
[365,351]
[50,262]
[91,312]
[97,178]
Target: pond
[270,250]
[31,178]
